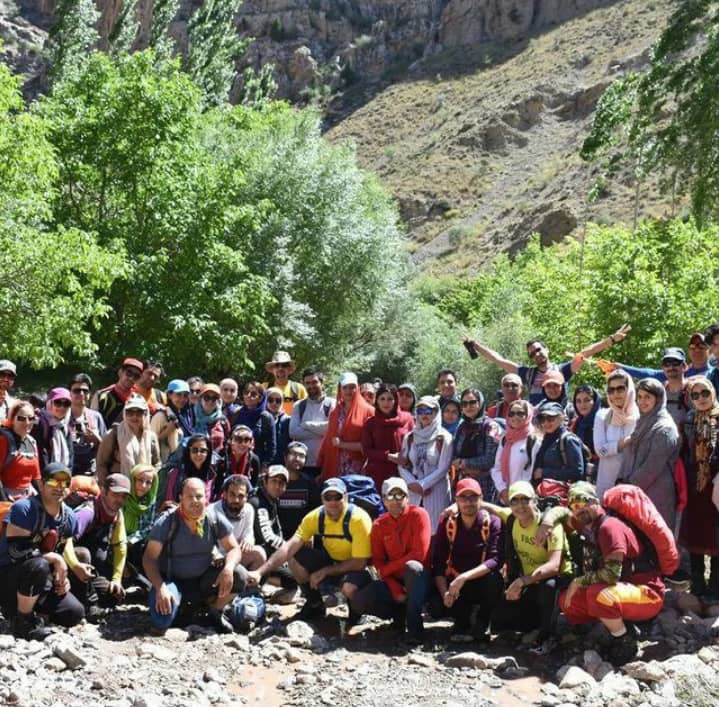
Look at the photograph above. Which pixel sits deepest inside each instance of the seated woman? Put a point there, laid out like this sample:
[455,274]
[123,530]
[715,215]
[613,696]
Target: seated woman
[652,450]
[612,428]
[383,435]
[19,460]
[139,513]
[560,456]
[128,442]
[517,451]
[254,414]
[197,461]
[536,573]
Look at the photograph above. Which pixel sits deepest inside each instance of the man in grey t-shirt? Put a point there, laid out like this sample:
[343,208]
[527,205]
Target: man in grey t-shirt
[183,562]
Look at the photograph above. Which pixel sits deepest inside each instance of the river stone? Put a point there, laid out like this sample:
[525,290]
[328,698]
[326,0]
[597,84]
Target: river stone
[575,677]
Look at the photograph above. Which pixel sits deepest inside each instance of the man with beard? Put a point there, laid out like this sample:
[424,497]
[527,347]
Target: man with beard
[301,494]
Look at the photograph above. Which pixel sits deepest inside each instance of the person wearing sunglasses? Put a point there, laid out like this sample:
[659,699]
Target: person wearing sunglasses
[87,427]
[650,455]
[8,373]
[622,585]
[516,451]
[613,426]
[424,460]
[110,401]
[281,367]
[197,461]
[282,422]
[383,434]
[128,442]
[475,442]
[560,456]
[34,573]
[254,414]
[400,553]
[535,572]
[209,418]
[52,430]
[701,458]
[511,389]
[538,352]
[19,458]
[466,565]
[342,549]
[175,421]
[239,458]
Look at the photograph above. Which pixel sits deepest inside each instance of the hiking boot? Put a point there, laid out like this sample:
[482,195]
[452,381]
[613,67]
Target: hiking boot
[311,611]
[622,649]
[96,614]
[219,621]
[480,632]
[413,638]
[399,619]
[30,627]
[461,633]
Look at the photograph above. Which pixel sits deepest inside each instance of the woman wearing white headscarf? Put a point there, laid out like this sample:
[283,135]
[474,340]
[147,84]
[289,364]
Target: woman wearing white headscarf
[613,426]
[651,452]
[427,451]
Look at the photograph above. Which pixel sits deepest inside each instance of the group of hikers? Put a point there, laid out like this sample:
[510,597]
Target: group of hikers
[210,498]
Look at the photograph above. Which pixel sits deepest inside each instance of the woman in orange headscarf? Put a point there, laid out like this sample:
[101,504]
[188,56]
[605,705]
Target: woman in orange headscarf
[341,451]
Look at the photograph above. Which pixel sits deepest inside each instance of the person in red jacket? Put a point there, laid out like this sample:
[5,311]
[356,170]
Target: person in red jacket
[382,435]
[400,553]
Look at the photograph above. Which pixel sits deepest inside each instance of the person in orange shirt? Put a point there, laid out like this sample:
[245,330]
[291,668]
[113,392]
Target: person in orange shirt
[281,367]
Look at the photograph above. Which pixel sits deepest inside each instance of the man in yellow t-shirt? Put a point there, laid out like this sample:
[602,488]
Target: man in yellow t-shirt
[340,533]
[536,573]
[282,367]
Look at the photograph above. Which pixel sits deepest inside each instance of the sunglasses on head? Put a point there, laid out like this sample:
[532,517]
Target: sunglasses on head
[516,413]
[199,450]
[26,418]
[425,411]
[396,496]
[579,502]
[58,483]
[616,389]
[703,393]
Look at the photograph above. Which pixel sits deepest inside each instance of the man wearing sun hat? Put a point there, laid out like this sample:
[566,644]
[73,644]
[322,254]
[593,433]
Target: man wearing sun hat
[466,564]
[31,564]
[281,367]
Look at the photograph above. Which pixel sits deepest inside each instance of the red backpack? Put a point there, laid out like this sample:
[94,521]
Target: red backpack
[630,504]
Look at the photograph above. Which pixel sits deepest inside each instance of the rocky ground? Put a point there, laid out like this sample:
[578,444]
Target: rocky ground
[285,662]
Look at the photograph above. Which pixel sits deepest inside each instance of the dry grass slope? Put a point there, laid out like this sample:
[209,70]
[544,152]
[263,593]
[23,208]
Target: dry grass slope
[480,146]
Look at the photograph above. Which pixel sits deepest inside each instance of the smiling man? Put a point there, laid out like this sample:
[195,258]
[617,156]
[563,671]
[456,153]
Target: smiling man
[110,401]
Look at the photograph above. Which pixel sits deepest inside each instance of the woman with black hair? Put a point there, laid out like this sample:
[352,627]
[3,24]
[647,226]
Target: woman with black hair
[254,414]
[587,402]
[475,442]
[196,461]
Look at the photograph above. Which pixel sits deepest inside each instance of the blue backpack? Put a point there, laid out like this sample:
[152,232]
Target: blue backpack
[247,611]
[363,493]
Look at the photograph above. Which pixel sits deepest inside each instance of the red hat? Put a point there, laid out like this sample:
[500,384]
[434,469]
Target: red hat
[468,485]
[135,363]
[553,377]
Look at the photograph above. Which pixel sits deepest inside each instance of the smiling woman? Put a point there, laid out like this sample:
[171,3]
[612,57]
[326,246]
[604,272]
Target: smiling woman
[18,452]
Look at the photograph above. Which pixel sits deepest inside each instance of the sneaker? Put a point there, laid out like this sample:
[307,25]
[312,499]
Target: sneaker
[413,638]
[30,627]
[311,611]
[544,647]
[461,633]
[219,621]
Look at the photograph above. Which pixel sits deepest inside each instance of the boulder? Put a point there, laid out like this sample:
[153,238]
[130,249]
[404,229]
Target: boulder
[649,672]
[576,677]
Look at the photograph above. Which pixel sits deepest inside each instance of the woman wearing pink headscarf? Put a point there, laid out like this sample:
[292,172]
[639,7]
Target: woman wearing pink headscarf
[613,427]
[517,450]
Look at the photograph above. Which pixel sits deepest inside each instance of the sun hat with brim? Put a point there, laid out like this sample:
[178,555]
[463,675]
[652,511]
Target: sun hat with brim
[279,357]
[394,483]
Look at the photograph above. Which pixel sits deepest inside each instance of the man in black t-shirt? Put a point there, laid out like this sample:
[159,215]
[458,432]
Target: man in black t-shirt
[302,494]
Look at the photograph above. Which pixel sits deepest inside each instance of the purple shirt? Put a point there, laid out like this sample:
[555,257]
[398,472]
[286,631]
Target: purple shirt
[469,547]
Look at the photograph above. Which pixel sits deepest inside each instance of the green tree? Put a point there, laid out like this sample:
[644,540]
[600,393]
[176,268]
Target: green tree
[54,278]
[666,120]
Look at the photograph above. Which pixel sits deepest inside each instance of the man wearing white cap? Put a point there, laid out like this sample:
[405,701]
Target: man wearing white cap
[281,366]
[400,553]
[8,372]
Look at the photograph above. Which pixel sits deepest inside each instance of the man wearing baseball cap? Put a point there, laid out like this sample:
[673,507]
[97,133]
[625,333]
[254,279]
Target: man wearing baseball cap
[97,559]
[536,571]
[8,373]
[109,402]
[34,573]
[400,553]
[468,556]
[341,535]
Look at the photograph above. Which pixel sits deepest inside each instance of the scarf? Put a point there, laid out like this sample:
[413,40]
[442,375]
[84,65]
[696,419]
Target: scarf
[123,395]
[59,434]
[629,412]
[135,507]
[203,421]
[424,435]
[131,448]
[184,416]
[512,436]
[354,418]
[583,425]
[393,419]
[102,514]
[249,416]
[197,525]
[705,433]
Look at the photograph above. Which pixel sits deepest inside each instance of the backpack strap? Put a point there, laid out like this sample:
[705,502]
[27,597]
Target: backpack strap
[303,408]
[171,533]
[530,446]
[346,534]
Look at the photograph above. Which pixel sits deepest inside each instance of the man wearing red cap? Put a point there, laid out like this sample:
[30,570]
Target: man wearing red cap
[110,401]
[468,556]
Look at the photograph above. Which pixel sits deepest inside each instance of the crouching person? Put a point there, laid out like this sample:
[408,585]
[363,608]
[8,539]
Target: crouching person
[624,586]
[97,557]
[536,571]
[34,574]
[341,535]
[183,563]
[400,553]
[466,564]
